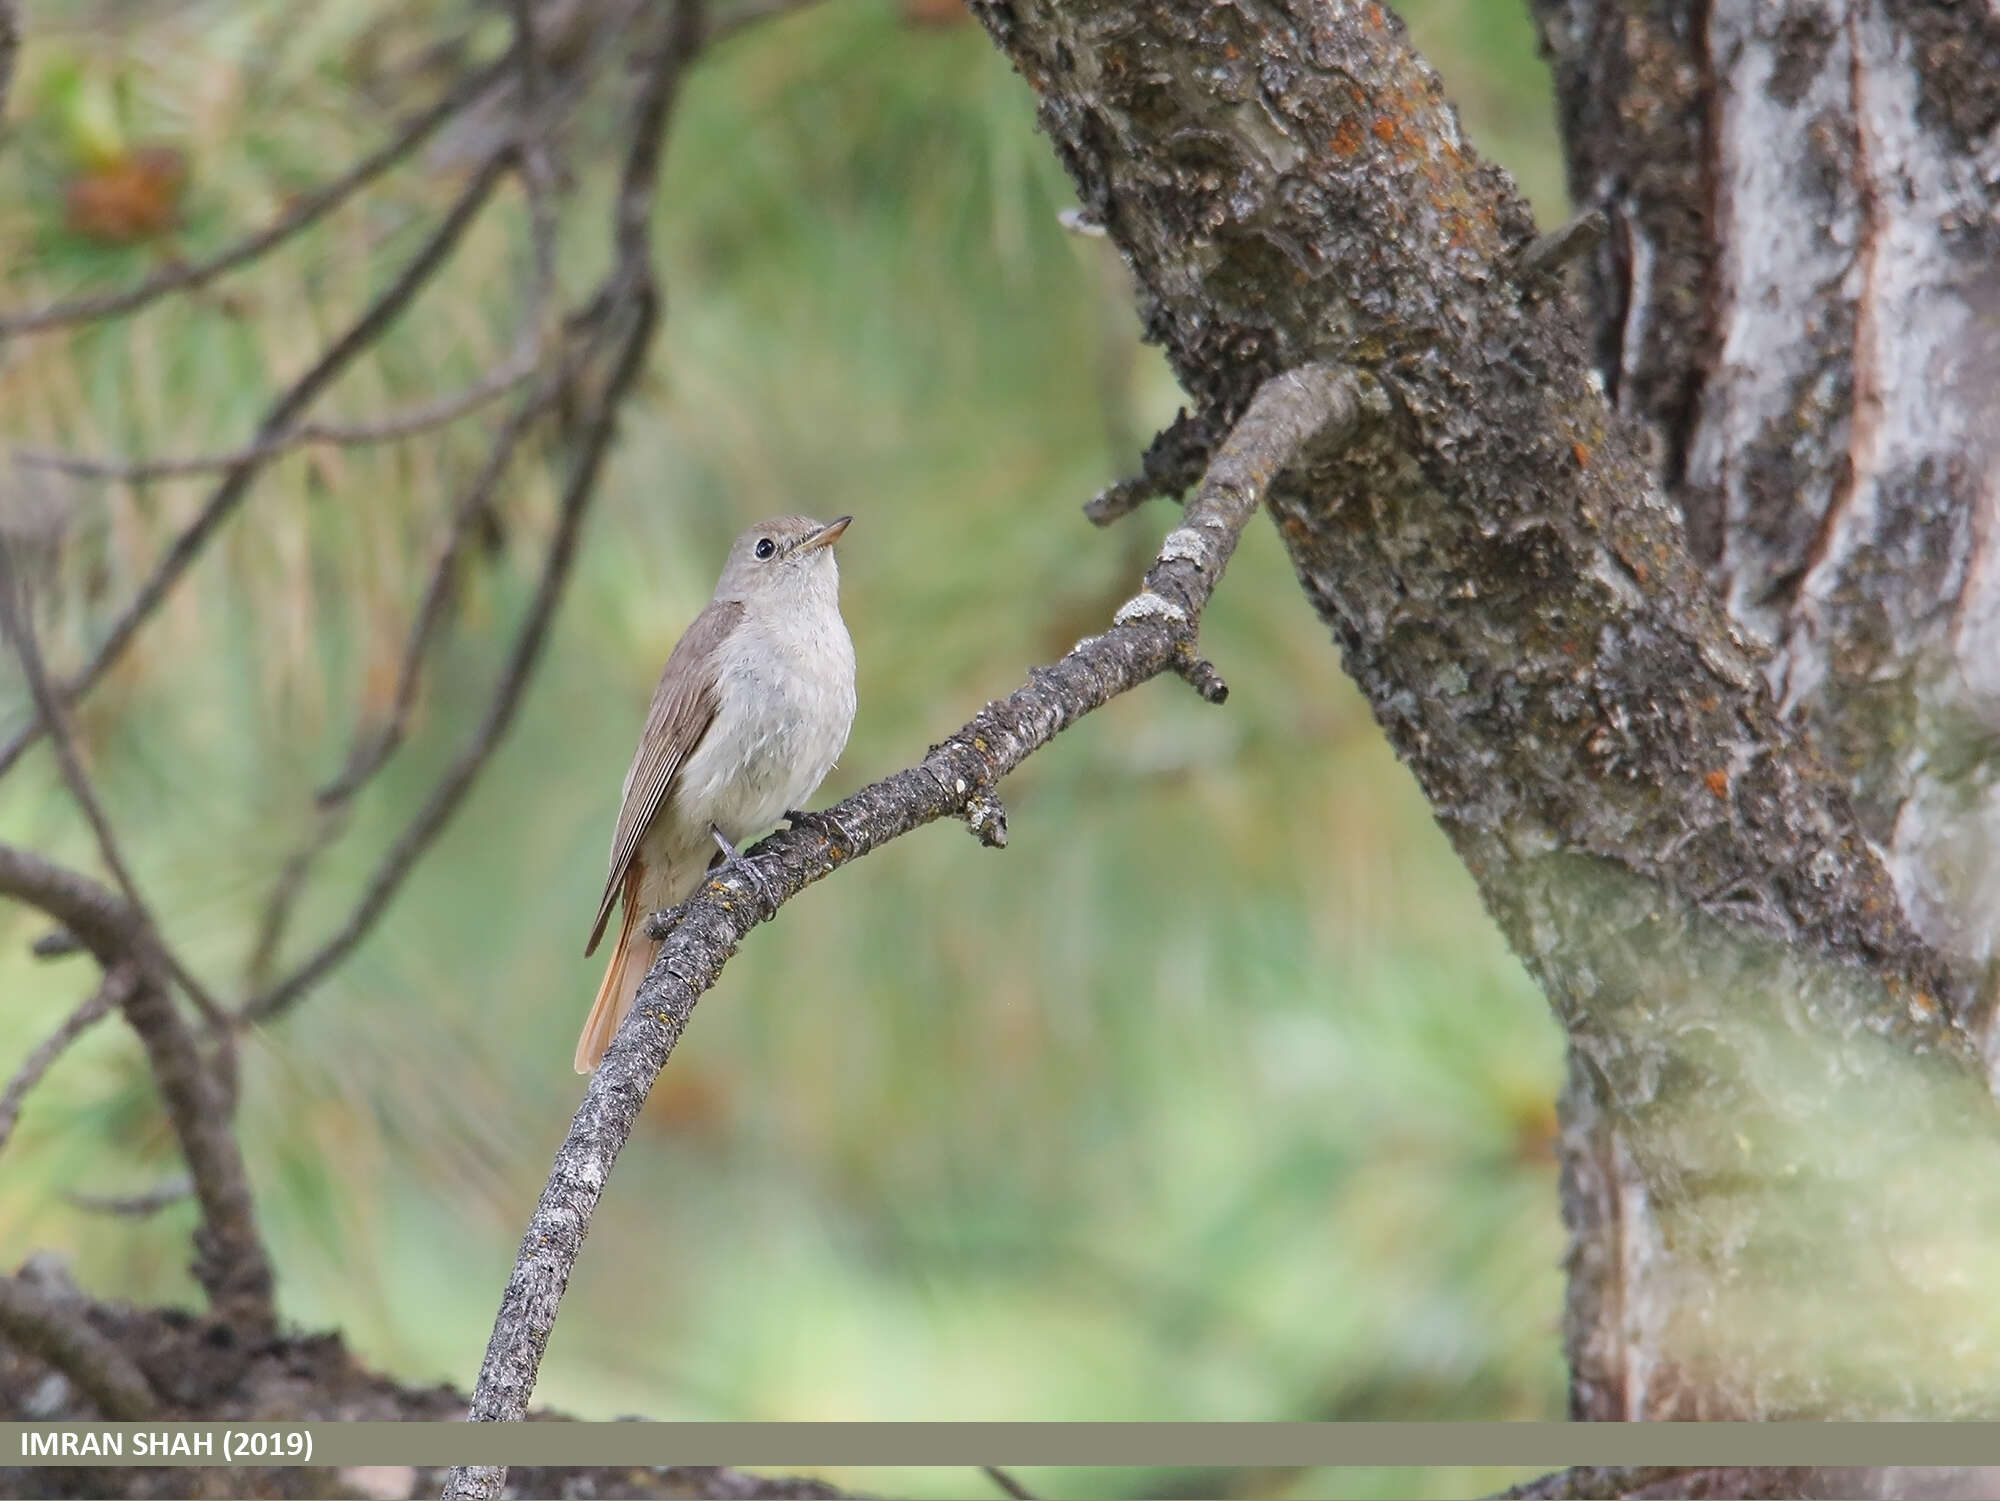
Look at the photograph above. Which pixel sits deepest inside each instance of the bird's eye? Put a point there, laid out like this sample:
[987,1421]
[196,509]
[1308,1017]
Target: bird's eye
[765,547]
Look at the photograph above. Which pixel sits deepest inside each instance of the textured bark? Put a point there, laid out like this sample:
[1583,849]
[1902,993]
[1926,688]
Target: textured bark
[1828,239]
[1511,588]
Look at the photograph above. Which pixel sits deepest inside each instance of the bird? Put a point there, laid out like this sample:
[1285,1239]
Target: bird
[752,711]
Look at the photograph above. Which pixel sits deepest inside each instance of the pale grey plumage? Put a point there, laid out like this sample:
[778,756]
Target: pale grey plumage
[751,712]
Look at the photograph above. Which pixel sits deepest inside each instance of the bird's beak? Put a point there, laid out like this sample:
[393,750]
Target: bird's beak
[827,535]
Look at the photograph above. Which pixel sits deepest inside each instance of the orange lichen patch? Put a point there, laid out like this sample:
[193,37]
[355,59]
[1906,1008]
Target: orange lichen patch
[1718,784]
[1346,139]
[1644,575]
[1385,129]
[1582,455]
[1923,1006]
[1375,15]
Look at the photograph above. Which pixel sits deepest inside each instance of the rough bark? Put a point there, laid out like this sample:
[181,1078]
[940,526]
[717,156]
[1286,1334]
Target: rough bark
[1825,245]
[1511,588]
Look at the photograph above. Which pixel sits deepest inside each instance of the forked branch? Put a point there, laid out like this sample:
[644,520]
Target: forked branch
[1154,632]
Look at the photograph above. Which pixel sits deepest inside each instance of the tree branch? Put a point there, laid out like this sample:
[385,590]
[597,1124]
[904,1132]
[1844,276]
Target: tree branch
[17,625]
[58,1332]
[430,820]
[230,1262]
[629,285]
[531,349]
[1154,632]
[379,315]
[140,1205]
[108,997]
[303,214]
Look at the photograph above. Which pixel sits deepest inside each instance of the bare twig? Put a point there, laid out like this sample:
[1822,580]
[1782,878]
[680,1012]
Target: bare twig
[106,998]
[134,1206]
[1007,1483]
[1172,462]
[59,1332]
[531,348]
[629,284]
[304,213]
[373,745]
[229,1256]
[281,415]
[17,625]
[1549,253]
[57,943]
[430,820]
[1149,636]
[94,915]
[519,366]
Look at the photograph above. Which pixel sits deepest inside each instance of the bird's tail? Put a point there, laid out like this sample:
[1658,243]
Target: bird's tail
[631,957]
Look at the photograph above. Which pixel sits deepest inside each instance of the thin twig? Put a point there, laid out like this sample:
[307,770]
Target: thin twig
[1171,463]
[282,413]
[373,747]
[59,1332]
[630,283]
[108,997]
[1149,636]
[519,366]
[531,348]
[17,625]
[134,1206]
[1549,253]
[430,820]
[1007,1483]
[303,214]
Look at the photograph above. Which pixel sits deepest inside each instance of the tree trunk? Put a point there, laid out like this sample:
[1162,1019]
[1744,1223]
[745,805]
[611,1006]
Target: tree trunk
[1798,299]
[1760,1039]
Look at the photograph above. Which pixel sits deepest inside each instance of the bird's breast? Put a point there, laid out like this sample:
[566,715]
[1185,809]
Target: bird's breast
[784,706]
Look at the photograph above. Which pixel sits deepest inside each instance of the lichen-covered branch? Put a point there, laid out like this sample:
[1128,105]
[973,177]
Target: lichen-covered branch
[1154,632]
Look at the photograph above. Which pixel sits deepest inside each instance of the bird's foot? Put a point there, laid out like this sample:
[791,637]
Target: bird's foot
[730,861]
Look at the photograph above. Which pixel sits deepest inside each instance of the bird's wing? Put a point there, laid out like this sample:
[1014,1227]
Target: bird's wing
[683,709]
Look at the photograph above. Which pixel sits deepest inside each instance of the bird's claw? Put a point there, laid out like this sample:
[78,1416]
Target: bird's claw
[730,860]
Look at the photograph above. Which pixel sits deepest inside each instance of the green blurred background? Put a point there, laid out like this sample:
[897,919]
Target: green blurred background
[1214,1096]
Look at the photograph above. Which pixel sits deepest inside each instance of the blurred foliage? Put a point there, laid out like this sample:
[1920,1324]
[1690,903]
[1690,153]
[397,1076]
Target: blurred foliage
[1214,1096]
